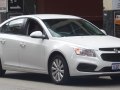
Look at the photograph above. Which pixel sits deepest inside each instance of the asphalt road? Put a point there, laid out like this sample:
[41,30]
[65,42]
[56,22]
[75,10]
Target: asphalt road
[28,81]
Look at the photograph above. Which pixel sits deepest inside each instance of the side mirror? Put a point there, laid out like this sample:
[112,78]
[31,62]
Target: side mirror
[37,34]
[103,31]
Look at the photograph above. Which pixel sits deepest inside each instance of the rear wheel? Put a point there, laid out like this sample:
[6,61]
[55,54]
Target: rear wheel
[58,69]
[2,72]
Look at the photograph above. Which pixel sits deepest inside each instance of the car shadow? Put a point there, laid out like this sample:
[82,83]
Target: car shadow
[93,82]
[87,82]
[29,77]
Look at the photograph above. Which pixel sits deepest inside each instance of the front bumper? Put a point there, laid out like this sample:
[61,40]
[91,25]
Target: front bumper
[87,66]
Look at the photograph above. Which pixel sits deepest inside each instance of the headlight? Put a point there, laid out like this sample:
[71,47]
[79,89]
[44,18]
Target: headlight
[85,52]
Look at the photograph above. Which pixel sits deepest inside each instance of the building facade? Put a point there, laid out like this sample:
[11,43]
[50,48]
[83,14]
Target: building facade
[91,10]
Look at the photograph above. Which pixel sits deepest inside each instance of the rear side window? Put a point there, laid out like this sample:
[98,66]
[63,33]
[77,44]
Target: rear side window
[4,28]
[14,27]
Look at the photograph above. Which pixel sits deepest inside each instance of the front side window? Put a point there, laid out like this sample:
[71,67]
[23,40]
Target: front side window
[14,27]
[33,25]
[71,27]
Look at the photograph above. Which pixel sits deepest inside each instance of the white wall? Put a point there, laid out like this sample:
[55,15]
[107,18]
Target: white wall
[107,4]
[111,4]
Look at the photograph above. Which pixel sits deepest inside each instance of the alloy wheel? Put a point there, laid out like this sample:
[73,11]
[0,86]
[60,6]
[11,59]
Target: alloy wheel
[57,69]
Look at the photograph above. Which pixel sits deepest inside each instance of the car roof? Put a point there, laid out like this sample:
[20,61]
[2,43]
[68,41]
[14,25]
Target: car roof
[56,16]
[50,16]
[44,16]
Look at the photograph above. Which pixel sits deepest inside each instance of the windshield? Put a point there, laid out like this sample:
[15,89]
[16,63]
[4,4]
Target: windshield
[71,27]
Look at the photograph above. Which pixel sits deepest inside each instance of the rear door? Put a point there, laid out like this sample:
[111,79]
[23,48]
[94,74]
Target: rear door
[10,35]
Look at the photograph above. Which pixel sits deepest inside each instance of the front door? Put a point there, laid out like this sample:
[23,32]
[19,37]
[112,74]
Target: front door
[32,49]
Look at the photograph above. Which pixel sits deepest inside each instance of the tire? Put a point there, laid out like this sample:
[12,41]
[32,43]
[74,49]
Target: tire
[115,77]
[2,72]
[58,69]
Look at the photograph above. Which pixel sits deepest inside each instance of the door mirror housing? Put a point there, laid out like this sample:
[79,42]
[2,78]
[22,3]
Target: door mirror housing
[37,34]
[103,31]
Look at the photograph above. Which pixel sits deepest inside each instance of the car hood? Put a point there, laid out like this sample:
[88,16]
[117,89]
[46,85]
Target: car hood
[92,42]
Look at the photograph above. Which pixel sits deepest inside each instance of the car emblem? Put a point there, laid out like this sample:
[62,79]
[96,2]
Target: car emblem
[116,50]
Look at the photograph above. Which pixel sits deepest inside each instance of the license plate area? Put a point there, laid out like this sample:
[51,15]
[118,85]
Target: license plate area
[116,66]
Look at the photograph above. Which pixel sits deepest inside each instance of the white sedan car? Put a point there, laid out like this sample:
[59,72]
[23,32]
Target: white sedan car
[59,45]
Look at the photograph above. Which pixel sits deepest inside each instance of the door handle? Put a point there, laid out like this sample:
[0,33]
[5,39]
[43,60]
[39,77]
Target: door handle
[2,41]
[22,44]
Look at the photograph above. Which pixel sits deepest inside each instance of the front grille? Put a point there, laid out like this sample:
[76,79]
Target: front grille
[108,69]
[112,57]
[109,49]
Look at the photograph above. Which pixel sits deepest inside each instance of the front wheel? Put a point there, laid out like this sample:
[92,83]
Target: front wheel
[58,69]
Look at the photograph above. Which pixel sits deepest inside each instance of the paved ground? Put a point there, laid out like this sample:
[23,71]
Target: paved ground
[25,81]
